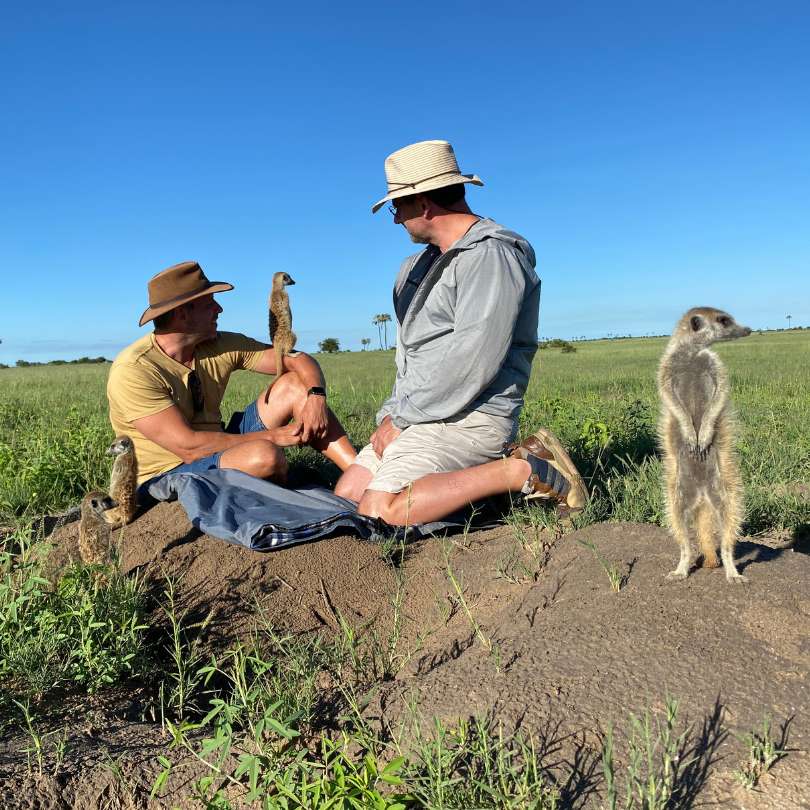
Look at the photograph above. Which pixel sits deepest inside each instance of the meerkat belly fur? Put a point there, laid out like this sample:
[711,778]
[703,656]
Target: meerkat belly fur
[123,482]
[94,531]
[281,334]
[703,489]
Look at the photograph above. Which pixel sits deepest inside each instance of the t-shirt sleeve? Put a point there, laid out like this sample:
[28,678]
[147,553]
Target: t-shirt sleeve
[137,390]
[244,352]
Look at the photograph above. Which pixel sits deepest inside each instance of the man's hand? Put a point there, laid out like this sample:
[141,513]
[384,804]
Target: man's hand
[286,435]
[384,435]
[314,418]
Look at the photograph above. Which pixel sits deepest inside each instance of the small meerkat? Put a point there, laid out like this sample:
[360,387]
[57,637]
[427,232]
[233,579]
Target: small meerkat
[281,334]
[94,531]
[123,482]
[703,487]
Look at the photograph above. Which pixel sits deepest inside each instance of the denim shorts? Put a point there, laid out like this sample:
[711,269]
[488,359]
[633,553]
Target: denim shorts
[247,421]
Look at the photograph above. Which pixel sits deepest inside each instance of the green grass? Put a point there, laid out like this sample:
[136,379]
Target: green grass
[84,630]
[601,401]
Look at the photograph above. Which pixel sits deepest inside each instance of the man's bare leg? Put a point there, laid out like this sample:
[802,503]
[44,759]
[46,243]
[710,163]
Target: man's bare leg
[259,458]
[352,484]
[437,495]
[286,401]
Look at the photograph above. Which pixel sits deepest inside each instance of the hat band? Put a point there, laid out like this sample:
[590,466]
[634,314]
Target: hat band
[398,186]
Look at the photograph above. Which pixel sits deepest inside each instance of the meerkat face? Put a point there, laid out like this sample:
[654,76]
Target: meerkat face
[281,280]
[121,445]
[706,325]
[97,502]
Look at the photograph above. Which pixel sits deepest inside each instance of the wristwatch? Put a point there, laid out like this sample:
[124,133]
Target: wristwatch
[317,391]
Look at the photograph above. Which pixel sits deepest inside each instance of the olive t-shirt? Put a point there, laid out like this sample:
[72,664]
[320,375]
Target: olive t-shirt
[144,381]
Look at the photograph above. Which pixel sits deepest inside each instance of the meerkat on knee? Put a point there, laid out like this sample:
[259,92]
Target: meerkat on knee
[703,488]
[281,334]
[123,482]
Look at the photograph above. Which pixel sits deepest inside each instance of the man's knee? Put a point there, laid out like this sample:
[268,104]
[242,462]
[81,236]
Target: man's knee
[376,504]
[259,458]
[352,484]
[288,386]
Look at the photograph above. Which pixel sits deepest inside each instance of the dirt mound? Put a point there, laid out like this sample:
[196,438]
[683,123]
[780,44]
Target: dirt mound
[521,627]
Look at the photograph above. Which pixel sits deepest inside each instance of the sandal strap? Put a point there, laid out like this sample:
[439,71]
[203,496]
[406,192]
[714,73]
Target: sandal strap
[546,479]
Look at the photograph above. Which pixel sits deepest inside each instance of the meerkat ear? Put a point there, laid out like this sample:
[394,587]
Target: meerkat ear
[696,321]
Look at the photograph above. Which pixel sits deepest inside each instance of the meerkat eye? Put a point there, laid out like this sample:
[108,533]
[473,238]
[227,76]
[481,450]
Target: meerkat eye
[696,323]
[724,321]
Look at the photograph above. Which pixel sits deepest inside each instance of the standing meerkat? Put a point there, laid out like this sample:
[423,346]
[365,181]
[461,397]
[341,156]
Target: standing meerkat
[123,482]
[94,531]
[281,334]
[703,486]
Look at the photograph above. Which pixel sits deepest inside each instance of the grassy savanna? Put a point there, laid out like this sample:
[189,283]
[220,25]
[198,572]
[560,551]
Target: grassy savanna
[248,716]
[601,400]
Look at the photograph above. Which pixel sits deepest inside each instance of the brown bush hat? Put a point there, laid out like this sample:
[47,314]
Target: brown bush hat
[178,285]
[422,166]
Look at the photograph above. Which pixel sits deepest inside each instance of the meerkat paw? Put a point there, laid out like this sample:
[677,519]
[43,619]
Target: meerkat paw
[698,451]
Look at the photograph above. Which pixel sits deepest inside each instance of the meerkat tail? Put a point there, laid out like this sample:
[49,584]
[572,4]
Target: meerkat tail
[279,360]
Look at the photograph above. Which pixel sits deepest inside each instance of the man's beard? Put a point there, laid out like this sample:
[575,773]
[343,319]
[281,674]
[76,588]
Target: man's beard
[419,240]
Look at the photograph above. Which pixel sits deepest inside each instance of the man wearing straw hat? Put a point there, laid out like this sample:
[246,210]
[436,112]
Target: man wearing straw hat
[467,309]
[165,390]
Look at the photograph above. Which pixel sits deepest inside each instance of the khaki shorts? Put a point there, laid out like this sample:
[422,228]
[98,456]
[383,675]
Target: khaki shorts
[455,444]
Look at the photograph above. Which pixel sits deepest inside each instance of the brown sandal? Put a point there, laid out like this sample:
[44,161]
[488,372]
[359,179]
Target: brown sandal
[554,475]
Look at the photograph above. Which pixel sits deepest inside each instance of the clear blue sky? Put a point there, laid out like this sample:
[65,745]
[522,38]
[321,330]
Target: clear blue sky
[656,155]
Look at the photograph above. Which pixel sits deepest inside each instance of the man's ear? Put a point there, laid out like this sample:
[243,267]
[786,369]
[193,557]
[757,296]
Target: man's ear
[181,314]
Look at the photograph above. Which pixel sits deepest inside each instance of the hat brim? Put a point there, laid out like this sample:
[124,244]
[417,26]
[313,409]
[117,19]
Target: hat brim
[153,312]
[428,185]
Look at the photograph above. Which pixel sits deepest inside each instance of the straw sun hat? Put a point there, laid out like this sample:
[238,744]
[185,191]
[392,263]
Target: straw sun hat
[178,285]
[422,166]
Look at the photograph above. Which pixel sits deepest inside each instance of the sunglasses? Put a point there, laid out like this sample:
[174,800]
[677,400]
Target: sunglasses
[195,386]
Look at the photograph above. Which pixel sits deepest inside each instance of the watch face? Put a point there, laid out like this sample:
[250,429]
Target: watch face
[317,391]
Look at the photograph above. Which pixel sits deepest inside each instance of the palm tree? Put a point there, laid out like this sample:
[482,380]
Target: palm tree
[385,319]
[788,320]
[376,322]
[365,342]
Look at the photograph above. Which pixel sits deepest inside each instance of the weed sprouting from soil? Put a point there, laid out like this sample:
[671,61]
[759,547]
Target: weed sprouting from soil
[616,574]
[461,600]
[535,531]
[181,683]
[762,753]
[650,777]
[474,765]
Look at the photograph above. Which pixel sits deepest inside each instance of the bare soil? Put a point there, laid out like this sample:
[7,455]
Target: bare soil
[557,651]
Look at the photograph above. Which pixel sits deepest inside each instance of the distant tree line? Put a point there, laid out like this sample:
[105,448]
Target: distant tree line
[29,363]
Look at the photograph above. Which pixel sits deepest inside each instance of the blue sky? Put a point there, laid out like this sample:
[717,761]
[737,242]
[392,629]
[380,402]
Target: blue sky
[655,154]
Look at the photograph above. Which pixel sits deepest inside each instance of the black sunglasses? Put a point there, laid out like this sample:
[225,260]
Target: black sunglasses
[195,386]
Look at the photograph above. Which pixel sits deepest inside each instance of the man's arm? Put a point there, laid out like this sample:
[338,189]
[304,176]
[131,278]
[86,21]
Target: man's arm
[488,300]
[171,431]
[314,417]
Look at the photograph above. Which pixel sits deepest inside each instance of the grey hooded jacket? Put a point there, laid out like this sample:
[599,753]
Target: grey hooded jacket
[470,333]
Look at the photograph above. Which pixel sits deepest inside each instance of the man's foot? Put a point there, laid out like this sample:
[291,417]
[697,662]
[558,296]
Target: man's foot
[554,476]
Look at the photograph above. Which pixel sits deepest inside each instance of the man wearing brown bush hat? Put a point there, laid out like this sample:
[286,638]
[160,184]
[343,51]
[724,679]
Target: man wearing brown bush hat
[165,390]
[467,310]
